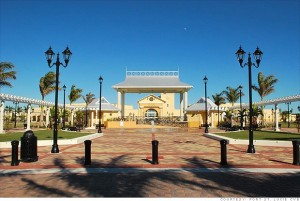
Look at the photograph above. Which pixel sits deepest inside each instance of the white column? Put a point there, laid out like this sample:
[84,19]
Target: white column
[47,116]
[276,118]
[72,116]
[97,121]
[119,103]
[1,116]
[185,101]
[28,117]
[181,106]
[122,105]
[92,120]
[212,119]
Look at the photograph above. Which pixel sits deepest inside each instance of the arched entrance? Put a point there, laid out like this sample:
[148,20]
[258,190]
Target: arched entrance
[151,114]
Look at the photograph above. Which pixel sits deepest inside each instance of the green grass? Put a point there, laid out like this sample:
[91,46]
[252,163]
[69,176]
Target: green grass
[42,135]
[262,135]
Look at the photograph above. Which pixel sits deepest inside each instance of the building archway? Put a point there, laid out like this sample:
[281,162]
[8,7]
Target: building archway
[151,114]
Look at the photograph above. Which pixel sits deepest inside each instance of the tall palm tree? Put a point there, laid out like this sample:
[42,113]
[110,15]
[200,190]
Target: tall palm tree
[75,93]
[218,100]
[47,85]
[265,87]
[232,94]
[6,73]
[88,99]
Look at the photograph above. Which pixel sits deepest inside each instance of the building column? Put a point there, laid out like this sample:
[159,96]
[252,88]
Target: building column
[276,118]
[47,116]
[72,116]
[181,106]
[212,120]
[119,103]
[92,120]
[185,101]
[28,117]
[97,121]
[122,105]
[1,116]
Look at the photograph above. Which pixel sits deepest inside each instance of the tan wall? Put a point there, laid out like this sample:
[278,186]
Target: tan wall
[116,124]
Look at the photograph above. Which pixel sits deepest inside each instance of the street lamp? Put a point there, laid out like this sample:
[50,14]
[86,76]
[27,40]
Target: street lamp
[242,113]
[64,114]
[206,125]
[49,56]
[99,128]
[258,56]
[16,105]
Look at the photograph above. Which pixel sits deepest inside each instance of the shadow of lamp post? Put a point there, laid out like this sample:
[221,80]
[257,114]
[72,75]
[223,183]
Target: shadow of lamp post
[258,56]
[206,125]
[49,55]
[99,128]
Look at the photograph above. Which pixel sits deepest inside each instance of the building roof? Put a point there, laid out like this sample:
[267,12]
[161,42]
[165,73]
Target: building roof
[152,81]
[200,106]
[105,106]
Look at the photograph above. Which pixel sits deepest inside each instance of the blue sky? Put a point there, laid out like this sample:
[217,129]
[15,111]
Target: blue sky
[198,37]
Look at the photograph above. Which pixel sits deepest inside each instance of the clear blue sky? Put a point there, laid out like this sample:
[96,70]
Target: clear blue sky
[199,37]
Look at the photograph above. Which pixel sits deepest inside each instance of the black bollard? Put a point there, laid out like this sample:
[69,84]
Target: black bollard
[296,154]
[14,153]
[154,152]
[223,152]
[87,158]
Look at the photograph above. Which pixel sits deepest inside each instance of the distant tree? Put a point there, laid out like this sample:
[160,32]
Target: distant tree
[47,86]
[75,93]
[265,86]
[88,99]
[218,100]
[232,94]
[6,74]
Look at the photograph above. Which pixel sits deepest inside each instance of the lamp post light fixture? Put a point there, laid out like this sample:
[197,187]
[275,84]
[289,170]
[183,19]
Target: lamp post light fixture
[257,56]
[241,108]
[206,115]
[100,100]
[64,114]
[16,106]
[49,56]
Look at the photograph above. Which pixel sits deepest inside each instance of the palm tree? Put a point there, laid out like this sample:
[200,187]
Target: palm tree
[218,100]
[6,74]
[47,85]
[74,94]
[265,86]
[232,94]
[88,99]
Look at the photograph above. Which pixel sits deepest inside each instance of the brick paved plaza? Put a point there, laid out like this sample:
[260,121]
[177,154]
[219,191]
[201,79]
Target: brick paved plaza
[121,167]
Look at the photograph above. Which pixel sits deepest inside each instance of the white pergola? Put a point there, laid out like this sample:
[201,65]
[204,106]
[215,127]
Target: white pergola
[152,82]
[275,102]
[106,107]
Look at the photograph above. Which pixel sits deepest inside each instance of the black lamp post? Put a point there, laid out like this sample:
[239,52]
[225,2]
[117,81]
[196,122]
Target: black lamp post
[16,105]
[64,114]
[240,56]
[49,55]
[99,128]
[242,113]
[206,115]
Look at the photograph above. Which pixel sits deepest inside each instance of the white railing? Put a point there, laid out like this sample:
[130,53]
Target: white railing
[152,73]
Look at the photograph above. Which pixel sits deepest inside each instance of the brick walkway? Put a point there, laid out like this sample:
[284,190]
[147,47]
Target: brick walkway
[125,156]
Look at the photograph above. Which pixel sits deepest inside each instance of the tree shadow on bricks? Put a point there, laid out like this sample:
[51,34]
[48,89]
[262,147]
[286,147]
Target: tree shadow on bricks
[242,183]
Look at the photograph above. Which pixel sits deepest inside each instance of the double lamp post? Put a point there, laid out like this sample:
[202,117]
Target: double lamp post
[257,56]
[49,55]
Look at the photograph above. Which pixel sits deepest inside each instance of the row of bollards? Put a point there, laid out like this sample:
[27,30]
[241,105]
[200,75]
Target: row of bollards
[29,150]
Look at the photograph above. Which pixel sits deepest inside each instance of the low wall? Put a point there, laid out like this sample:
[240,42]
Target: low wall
[118,124]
